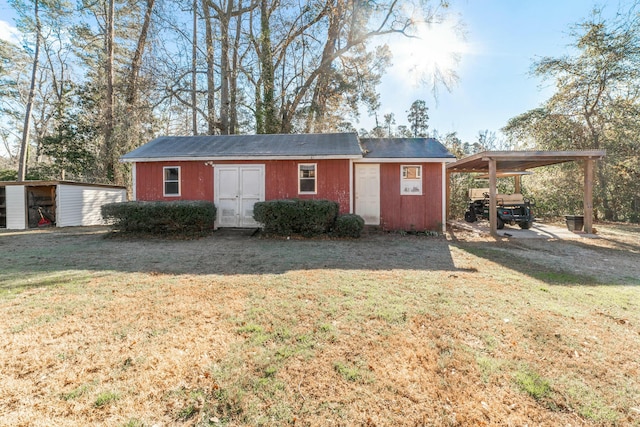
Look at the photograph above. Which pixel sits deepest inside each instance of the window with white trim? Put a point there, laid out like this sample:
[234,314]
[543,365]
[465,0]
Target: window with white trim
[171,181]
[411,180]
[307,178]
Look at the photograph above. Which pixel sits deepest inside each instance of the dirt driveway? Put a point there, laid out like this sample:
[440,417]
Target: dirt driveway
[539,230]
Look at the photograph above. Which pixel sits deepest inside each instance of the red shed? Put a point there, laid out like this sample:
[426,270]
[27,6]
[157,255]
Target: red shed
[397,184]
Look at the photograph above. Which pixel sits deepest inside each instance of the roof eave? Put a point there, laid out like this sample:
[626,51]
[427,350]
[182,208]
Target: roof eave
[238,158]
[407,160]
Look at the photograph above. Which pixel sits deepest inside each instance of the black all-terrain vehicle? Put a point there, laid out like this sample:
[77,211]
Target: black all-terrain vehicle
[512,209]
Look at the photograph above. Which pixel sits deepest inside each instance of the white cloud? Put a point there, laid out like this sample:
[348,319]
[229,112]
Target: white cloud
[8,32]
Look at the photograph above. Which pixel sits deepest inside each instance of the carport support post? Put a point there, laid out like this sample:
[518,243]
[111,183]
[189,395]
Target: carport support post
[493,213]
[448,196]
[588,196]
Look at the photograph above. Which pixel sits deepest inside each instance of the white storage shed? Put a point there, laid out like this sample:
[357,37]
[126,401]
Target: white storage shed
[24,204]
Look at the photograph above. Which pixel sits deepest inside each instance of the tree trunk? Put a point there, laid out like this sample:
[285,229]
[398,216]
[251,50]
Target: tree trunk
[259,116]
[24,145]
[315,120]
[603,178]
[211,103]
[132,131]
[136,63]
[194,71]
[109,140]
[271,122]
[233,81]
[224,69]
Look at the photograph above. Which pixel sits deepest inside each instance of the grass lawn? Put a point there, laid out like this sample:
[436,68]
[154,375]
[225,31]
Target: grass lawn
[387,330]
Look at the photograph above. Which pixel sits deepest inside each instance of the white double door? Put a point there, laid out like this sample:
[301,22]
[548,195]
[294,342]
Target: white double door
[236,189]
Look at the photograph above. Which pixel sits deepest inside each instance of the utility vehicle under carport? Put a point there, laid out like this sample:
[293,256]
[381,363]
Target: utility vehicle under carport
[494,162]
[512,209]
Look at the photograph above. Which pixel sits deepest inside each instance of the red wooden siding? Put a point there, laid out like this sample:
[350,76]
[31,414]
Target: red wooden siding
[397,212]
[196,181]
[406,212]
[281,180]
[332,181]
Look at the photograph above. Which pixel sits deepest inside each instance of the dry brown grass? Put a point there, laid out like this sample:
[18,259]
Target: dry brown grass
[387,330]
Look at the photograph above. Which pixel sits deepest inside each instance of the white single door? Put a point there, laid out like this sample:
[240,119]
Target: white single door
[16,207]
[251,191]
[237,188]
[368,193]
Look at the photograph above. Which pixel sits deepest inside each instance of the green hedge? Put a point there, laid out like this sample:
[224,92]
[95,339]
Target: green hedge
[348,225]
[160,217]
[296,216]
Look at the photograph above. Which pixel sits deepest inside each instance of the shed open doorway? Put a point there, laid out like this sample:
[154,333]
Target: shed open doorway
[495,162]
[41,205]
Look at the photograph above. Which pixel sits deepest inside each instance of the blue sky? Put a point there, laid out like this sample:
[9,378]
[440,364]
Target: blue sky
[503,38]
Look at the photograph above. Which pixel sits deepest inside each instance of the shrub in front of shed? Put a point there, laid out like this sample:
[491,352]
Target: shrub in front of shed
[348,225]
[276,216]
[160,217]
[296,216]
[317,216]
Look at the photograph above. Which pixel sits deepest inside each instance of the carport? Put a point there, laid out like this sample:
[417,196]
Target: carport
[496,163]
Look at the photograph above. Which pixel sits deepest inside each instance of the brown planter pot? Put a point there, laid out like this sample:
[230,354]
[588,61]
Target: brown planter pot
[574,222]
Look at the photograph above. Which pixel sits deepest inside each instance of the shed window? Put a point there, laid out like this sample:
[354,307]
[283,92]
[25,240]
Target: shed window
[307,178]
[411,180]
[172,181]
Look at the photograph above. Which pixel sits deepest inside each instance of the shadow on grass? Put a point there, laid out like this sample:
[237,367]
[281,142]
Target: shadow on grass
[562,262]
[545,273]
[623,246]
[12,281]
[46,257]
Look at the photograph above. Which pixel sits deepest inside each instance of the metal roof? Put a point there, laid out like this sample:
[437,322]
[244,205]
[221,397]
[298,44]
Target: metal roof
[520,160]
[211,147]
[404,148]
[43,183]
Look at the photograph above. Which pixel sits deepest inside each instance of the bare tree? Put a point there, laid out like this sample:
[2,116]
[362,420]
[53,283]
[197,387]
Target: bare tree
[24,145]
[194,69]
[210,55]
[110,153]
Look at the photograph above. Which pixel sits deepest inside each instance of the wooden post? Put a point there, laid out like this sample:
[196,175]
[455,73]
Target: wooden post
[493,213]
[588,196]
[517,189]
[448,196]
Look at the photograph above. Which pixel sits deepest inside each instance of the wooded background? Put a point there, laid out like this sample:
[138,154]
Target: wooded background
[93,80]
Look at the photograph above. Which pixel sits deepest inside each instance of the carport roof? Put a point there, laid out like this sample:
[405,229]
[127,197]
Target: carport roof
[520,160]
